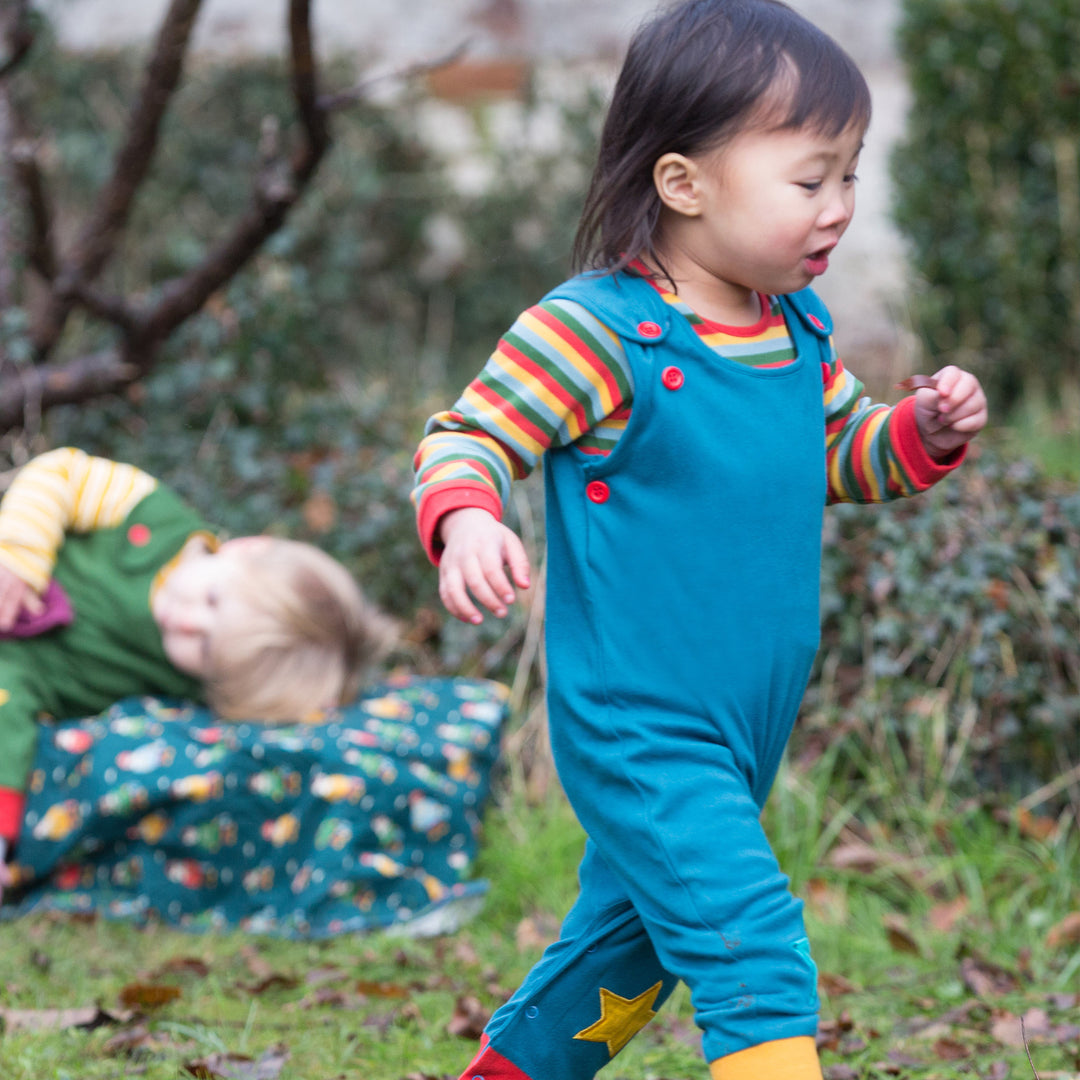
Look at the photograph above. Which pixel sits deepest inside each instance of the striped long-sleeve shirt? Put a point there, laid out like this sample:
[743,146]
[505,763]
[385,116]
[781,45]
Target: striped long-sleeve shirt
[559,376]
[64,490]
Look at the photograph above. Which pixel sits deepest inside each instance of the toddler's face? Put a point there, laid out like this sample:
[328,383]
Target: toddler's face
[198,602]
[773,205]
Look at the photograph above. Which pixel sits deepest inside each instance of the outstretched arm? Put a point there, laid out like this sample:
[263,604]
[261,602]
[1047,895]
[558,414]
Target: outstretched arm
[64,490]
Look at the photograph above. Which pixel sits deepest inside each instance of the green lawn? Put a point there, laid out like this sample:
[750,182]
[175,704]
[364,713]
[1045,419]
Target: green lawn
[935,928]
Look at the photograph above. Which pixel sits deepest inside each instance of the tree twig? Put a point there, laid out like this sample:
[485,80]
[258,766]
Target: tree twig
[276,188]
[343,98]
[39,388]
[97,240]
[1027,1050]
[16,33]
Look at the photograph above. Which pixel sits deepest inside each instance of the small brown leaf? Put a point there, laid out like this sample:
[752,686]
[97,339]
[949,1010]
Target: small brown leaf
[900,937]
[87,1018]
[917,382]
[381,989]
[148,995]
[951,1050]
[219,1066]
[274,981]
[185,965]
[944,917]
[986,979]
[834,985]
[1035,827]
[855,856]
[1066,932]
[469,1019]
[535,932]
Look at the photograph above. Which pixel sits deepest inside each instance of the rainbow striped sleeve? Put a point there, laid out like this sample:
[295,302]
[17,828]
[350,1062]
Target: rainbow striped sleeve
[558,376]
[873,452]
[60,491]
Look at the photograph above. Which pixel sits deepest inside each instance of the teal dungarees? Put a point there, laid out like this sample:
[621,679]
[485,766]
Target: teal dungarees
[682,622]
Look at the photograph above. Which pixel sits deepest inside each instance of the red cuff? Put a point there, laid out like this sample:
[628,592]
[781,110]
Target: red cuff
[12,804]
[916,462]
[442,500]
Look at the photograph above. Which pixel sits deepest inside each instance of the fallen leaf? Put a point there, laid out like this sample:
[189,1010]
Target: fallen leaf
[274,981]
[900,937]
[185,965]
[834,985]
[950,1049]
[1066,932]
[917,382]
[469,1019]
[944,917]
[148,995]
[535,932]
[381,989]
[87,1018]
[219,1066]
[986,979]
[1035,827]
[855,856]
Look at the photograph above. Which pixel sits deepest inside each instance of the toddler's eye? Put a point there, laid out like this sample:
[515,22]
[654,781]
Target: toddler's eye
[851,178]
[810,185]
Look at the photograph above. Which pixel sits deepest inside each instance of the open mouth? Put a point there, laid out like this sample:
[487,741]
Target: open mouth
[817,262]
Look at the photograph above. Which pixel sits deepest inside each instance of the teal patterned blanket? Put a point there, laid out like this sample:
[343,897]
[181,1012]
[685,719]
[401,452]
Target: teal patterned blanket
[367,819]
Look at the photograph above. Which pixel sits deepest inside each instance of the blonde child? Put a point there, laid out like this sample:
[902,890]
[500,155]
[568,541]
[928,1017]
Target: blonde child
[259,628]
[694,419]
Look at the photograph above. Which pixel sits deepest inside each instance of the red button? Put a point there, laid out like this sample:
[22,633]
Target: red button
[598,491]
[139,534]
[649,329]
[816,321]
[672,377]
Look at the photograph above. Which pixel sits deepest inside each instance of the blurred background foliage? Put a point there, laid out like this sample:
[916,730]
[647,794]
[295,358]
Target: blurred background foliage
[988,190]
[294,401]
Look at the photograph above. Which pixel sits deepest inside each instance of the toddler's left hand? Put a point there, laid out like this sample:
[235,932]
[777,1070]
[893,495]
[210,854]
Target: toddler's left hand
[951,414]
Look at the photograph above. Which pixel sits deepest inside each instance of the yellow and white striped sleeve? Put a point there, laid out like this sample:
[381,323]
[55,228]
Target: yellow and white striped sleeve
[64,490]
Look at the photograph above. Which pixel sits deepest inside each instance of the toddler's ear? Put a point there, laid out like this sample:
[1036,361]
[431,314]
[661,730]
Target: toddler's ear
[675,177]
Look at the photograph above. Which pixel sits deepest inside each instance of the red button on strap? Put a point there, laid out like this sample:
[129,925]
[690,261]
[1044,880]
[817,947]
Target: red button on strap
[139,534]
[597,491]
[649,329]
[672,377]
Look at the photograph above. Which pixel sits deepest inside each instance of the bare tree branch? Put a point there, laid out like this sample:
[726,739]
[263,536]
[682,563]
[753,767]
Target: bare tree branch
[343,98]
[16,37]
[96,243]
[38,388]
[15,33]
[41,251]
[277,187]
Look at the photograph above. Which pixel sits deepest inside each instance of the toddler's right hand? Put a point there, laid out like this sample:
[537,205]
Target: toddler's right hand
[16,596]
[477,551]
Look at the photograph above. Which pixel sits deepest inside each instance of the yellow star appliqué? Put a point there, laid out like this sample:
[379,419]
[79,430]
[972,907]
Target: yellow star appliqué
[620,1018]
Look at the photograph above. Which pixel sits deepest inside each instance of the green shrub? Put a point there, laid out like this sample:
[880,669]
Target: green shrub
[988,184]
[955,614]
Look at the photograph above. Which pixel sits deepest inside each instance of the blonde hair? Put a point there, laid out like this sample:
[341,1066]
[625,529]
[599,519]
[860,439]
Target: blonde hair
[308,636]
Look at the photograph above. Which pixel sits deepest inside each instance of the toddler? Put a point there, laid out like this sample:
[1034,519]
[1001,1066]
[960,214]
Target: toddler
[693,418]
[111,586]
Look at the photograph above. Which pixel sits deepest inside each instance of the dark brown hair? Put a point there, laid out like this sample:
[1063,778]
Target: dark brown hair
[694,76]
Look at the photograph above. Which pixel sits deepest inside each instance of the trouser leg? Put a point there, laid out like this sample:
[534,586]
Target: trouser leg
[589,994]
[673,818]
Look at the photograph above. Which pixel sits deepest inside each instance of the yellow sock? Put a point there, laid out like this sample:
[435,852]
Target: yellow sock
[784,1059]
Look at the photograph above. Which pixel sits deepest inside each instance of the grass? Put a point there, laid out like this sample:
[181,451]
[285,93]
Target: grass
[931,947]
